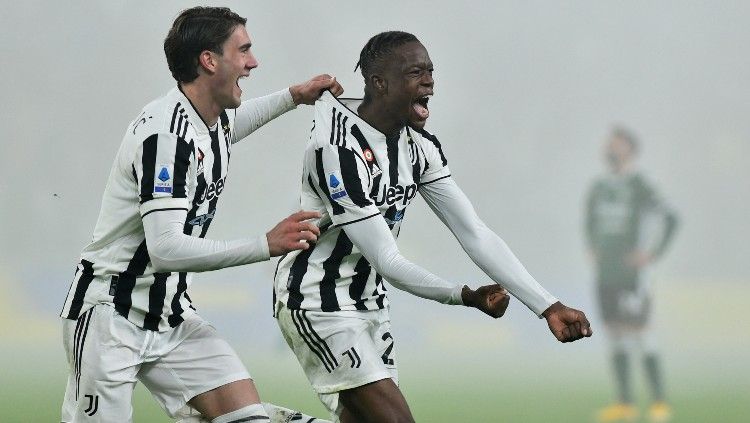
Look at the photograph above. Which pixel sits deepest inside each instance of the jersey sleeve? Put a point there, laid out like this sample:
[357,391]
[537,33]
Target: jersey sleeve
[484,246]
[161,167]
[436,165]
[256,112]
[338,172]
[655,206]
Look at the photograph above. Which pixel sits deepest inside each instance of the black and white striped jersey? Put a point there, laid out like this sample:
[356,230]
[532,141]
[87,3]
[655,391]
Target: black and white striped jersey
[352,172]
[169,159]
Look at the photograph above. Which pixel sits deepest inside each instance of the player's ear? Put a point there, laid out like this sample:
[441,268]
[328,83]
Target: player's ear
[379,83]
[207,61]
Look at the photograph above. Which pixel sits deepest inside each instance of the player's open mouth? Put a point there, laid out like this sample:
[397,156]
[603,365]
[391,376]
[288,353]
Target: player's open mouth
[420,106]
[238,80]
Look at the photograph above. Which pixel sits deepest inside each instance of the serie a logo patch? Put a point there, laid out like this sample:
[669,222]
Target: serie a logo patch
[163,182]
[337,188]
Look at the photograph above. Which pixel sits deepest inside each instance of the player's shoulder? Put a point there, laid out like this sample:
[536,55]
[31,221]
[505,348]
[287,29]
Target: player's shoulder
[429,144]
[336,124]
[642,184]
[424,137]
[601,182]
[170,114]
[422,134]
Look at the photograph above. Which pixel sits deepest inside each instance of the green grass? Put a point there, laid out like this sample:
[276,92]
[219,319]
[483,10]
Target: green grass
[466,392]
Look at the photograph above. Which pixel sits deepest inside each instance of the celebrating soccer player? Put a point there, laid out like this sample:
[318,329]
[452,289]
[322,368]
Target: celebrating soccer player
[128,316]
[361,171]
[628,227]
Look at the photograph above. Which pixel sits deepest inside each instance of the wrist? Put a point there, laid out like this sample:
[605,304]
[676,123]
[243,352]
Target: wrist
[468,296]
[294,90]
[554,308]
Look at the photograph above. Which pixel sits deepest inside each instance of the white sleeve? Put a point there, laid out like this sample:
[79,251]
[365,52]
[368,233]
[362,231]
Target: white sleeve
[485,248]
[256,112]
[375,241]
[171,250]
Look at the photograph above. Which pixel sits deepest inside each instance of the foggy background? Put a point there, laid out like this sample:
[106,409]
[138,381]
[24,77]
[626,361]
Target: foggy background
[525,94]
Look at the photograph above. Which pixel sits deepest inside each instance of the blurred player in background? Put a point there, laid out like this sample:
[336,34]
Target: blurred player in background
[128,316]
[361,171]
[628,227]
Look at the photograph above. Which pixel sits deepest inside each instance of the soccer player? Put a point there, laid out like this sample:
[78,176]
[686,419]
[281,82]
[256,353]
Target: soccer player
[128,316]
[362,168]
[628,227]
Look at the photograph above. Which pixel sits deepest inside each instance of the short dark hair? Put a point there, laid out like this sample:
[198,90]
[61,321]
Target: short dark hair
[625,134]
[378,47]
[195,30]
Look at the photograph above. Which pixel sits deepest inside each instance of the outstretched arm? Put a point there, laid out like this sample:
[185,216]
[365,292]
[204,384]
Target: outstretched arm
[256,112]
[494,257]
[376,243]
[484,247]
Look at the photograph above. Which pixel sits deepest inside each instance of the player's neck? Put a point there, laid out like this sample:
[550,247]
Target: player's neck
[379,118]
[202,102]
[623,168]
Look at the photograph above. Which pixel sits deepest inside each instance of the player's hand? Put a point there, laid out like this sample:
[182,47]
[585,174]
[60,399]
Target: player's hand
[491,299]
[567,324]
[293,233]
[309,91]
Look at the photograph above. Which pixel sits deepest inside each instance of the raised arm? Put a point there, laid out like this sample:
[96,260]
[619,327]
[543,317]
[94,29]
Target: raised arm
[256,112]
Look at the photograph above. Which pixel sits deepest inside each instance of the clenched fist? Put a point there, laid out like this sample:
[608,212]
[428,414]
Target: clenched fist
[567,324]
[491,299]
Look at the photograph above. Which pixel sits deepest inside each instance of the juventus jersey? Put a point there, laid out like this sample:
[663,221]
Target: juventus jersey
[168,159]
[352,172]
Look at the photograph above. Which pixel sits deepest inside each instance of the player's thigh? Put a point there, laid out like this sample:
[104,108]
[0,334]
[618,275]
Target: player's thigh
[340,350]
[380,401]
[198,366]
[102,353]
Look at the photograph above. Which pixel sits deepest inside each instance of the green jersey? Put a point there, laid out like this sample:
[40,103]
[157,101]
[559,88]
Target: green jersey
[624,214]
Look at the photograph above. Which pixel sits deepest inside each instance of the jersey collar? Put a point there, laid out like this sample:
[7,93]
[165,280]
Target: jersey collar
[195,118]
[367,130]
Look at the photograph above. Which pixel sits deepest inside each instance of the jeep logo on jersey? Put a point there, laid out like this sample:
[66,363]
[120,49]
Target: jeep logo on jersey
[202,219]
[390,195]
[212,191]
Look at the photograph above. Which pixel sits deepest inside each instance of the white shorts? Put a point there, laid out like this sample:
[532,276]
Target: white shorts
[108,354]
[340,350]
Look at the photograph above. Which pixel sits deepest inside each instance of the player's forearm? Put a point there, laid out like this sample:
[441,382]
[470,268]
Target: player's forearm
[375,242]
[485,248]
[170,250]
[256,112]
[496,259]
